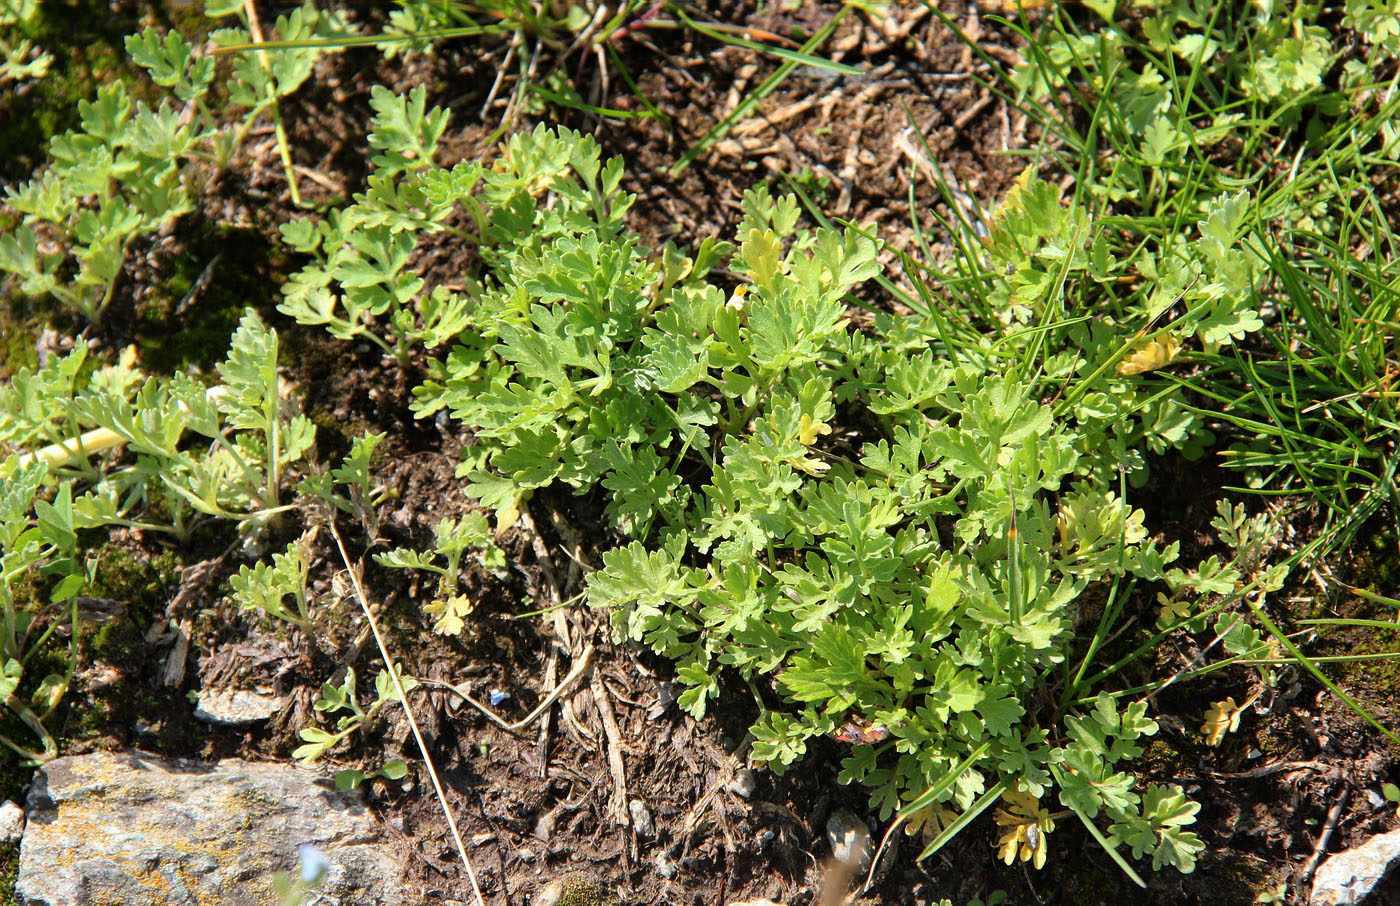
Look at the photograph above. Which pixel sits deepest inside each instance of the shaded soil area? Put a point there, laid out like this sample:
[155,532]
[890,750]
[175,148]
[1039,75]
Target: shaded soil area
[614,785]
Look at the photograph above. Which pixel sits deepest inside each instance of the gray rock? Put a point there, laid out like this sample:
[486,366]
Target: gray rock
[642,821]
[235,707]
[11,822]
[849,839]
[1348,878]
[744,784]
[135,829]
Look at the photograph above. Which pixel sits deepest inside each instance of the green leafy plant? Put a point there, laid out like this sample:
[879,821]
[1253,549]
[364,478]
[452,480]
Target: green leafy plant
[41,573]
[1186,103]
[123,176]
[344,698]
[918,580]
[251,439]
[132,168]
[263,75]
[20,59]
[359,276]
[350,779]
[265,588]
[360,496]
[454,539]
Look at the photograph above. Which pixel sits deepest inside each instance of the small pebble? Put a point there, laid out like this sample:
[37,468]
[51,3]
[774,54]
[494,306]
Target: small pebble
[549,895]
[744,784]
[849,839]
[497,696]
[665,868]
[11,822]
[1376,799]
[236,707]
[544,826]
[642,822]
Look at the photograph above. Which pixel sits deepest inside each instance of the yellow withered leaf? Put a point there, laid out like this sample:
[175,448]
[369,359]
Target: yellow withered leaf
[1026,824]
[451,613]
[807,430]
[1222,717]
[1150,356]
[1009,7]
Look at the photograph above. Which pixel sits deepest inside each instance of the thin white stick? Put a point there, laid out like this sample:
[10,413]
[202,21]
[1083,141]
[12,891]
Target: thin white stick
[412,721]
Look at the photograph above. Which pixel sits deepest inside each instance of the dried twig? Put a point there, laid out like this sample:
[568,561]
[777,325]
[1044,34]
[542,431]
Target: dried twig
[1332,815]
[1266,770]
[617,802]
[551,682]
[580,667]
[408,712]
[515,41]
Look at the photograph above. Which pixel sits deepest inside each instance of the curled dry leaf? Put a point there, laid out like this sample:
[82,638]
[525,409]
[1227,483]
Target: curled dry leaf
[1222,717]
[1150,356]
[1026,825]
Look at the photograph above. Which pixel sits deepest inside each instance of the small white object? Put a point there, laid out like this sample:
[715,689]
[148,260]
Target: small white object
[642,821]
[744,784]
[849,839]
[314,864]
[11,822]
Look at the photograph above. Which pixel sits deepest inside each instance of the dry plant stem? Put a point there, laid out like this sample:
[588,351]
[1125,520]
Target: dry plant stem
[1151,697]
[508,116]
[174,672]
[880,851]
[601,14]
[1326,835]
[551,677]
[542,555]
[617,802]
[408,712]
[351,655]
[704,803]
[580,667]
[198,287]
[515,41]
[1270,769]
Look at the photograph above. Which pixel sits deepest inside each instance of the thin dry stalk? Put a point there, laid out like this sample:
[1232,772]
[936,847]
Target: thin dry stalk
[580,667]
[408,711]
